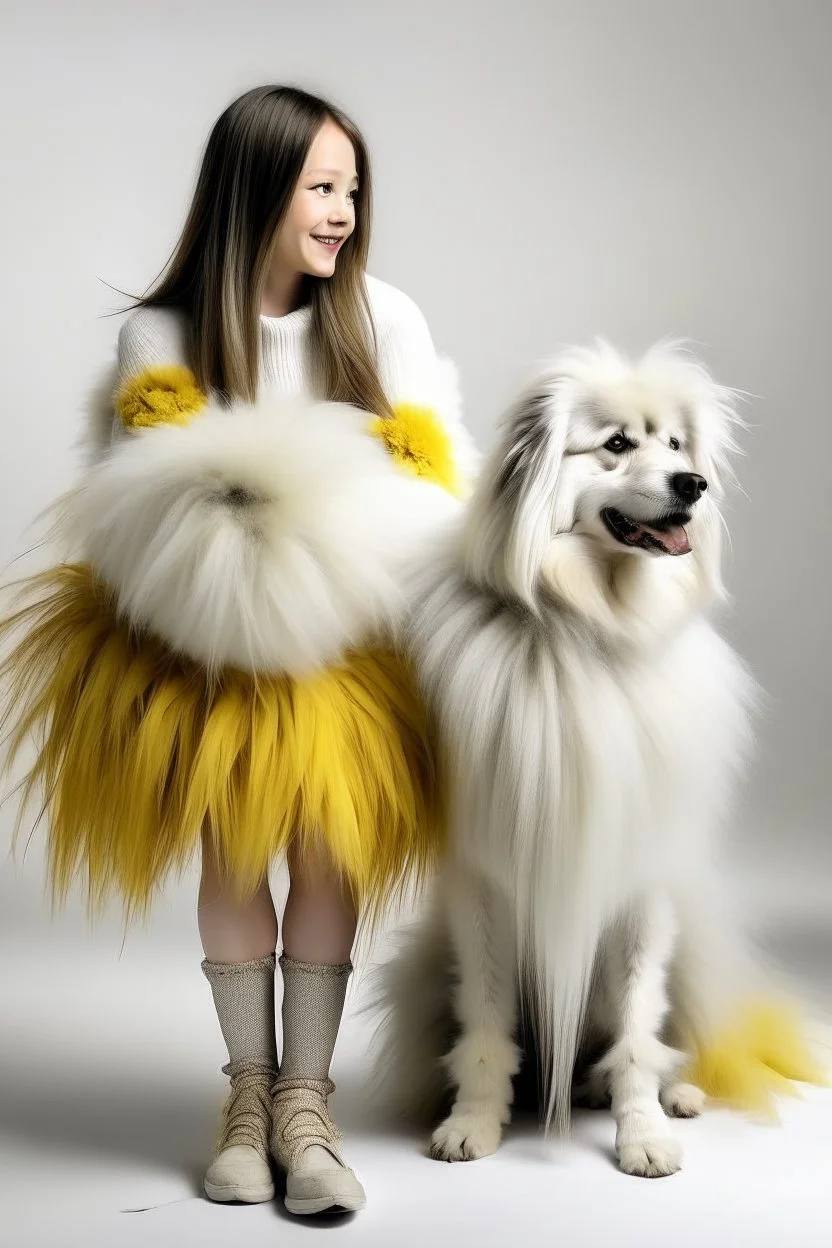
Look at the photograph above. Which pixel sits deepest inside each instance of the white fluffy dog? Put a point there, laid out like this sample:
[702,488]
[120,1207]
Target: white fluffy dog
[592,722]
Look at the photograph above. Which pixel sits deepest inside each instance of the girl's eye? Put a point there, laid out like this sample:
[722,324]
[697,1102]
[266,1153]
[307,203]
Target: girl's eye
[326,188]
[617,443]
[675,444]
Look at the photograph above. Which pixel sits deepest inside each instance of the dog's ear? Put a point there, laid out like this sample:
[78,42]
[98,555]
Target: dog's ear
[712,420]
[511,517]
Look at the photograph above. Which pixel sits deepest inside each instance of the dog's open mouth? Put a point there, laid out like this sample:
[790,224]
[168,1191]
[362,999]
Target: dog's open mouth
[665,537]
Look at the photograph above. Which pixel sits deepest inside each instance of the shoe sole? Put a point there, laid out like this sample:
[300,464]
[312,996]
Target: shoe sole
[222,1193]
[319,1204]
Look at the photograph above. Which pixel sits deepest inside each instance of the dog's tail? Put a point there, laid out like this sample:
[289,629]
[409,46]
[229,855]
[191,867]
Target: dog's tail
[749,1034]
[412,995]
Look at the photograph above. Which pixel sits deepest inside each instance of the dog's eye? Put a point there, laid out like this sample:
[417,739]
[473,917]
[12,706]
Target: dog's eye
[617,443]
[674,444]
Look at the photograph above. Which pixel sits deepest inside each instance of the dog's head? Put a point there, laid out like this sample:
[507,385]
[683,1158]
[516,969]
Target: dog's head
[628,459]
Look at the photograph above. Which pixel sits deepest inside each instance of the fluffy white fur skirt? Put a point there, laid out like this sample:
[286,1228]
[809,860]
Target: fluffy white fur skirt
[272,538]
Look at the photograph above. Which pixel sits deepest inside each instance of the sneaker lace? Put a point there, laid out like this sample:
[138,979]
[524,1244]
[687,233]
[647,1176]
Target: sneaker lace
[300,1118]
[247,1110]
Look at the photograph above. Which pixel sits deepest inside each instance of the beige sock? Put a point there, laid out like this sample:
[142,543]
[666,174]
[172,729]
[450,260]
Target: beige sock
[313,1003]
[244,999]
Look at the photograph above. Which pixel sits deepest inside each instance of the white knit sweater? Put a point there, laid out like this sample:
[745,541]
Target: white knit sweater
[406,352]
[409,368]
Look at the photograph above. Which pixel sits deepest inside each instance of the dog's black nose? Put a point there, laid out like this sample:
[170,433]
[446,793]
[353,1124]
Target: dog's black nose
[689,485]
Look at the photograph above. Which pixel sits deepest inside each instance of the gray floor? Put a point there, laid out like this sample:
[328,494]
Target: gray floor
[110,1088]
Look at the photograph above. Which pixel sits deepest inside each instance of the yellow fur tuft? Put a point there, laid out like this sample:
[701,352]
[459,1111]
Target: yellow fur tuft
[138,752]
[756,1059]
[166,394]
[417,440]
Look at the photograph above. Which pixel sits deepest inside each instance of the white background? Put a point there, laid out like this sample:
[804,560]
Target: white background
[545,172]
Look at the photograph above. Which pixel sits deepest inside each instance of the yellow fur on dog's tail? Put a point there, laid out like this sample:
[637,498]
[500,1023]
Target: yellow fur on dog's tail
[749,1037]
[762,1052]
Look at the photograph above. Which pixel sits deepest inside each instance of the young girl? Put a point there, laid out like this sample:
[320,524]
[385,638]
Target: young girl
[160,728]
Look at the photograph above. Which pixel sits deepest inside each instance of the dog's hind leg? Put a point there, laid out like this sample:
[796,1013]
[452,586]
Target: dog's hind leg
[639,1065]
[485,1057]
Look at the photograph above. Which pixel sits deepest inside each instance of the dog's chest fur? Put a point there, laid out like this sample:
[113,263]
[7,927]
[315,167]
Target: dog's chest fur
[615,754]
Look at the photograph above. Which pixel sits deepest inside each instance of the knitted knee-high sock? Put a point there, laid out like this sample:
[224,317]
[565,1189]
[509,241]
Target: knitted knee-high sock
[313,1002]
[304,1138]
[244,999]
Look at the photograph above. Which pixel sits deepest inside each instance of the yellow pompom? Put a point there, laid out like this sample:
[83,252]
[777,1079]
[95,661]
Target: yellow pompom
[417,440]
[759,1057]
[166,394]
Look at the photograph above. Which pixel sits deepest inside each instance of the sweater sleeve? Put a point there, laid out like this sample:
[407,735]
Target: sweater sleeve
[154,382]
[415,377]
[406,354]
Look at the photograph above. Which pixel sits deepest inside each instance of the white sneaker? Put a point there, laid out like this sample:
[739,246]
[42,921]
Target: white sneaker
[304,1143]
[241,1169]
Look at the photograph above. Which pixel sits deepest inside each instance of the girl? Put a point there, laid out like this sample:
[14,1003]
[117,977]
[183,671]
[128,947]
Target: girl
[161,728]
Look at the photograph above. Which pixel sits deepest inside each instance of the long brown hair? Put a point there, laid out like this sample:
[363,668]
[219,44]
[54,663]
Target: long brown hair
[217,272]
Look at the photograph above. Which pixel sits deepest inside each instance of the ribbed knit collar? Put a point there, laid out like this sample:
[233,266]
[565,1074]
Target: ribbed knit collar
[284,331]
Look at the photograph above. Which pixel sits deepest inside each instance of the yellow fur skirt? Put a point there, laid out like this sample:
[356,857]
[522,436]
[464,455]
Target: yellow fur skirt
[139,751]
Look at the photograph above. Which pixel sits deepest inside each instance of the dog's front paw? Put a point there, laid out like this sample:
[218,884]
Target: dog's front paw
[650,1158]
[682,1100]
[466,1136]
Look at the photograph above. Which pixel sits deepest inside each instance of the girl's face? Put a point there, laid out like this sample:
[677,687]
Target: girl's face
[321,214]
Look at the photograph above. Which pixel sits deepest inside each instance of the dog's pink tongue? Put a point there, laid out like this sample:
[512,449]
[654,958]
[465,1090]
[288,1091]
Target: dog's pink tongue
[673,540]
